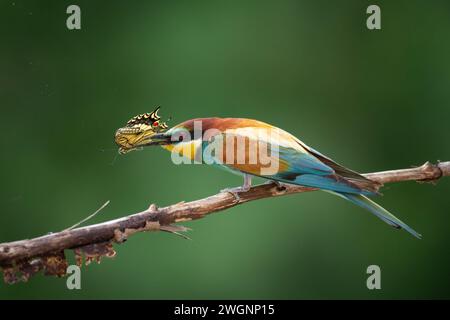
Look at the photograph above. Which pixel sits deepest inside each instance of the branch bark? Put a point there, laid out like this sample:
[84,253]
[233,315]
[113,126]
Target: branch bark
[22,259]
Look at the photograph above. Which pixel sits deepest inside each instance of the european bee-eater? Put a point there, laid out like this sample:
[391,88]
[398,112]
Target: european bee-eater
[254,148]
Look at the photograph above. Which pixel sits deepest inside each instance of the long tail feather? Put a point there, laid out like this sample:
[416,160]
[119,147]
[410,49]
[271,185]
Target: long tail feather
[377,210]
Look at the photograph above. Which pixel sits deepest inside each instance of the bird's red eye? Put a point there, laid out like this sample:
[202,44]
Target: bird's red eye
[156,123]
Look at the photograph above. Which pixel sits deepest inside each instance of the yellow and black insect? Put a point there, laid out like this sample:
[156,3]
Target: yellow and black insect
[138,129]
[151,119]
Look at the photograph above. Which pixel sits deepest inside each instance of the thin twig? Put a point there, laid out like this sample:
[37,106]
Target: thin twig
[87,218]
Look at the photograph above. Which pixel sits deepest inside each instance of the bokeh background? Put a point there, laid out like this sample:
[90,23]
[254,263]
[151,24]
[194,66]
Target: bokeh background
[372,100]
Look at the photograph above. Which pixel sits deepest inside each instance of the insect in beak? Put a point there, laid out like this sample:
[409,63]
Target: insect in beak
[141,130]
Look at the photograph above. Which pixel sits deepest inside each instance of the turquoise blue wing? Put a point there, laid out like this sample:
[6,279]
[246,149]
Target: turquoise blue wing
[307,170]
[296,162]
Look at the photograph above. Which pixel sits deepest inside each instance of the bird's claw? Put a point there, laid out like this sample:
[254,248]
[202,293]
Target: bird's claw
[280,186]
[235,191]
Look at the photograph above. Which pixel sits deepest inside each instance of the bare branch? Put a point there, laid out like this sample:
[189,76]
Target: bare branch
[21,259]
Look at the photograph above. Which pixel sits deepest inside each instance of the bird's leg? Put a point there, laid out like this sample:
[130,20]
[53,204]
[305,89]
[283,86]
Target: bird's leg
[244,188]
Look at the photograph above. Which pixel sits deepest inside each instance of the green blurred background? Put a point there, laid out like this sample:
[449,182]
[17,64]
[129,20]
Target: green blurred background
[372,100]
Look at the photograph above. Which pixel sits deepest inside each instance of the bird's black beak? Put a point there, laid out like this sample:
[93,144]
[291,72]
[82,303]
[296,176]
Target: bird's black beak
[158,139]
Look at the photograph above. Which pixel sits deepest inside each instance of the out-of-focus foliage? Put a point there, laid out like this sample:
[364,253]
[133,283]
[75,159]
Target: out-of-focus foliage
[372,100]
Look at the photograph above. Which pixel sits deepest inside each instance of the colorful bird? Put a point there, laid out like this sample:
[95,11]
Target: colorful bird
[254,148]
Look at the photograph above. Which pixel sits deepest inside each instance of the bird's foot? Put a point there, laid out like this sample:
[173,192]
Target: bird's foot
[235,191]
[280,186]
